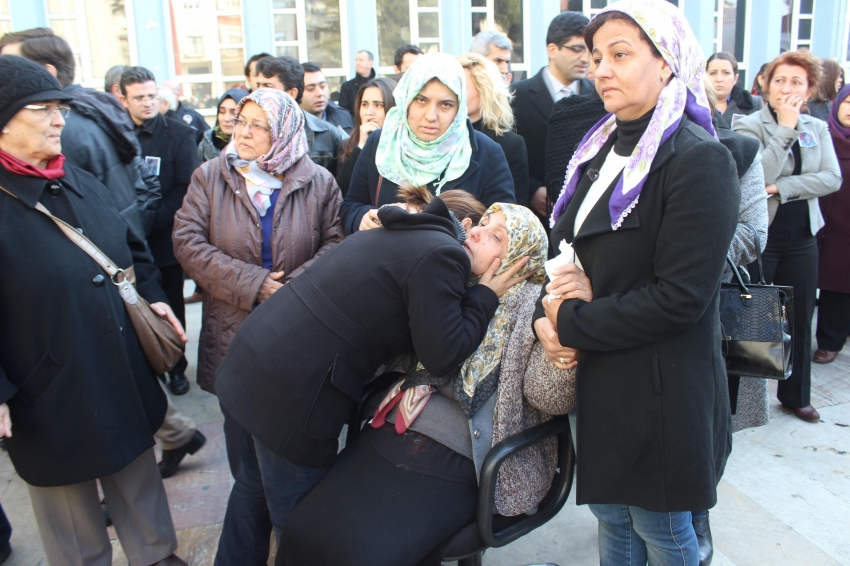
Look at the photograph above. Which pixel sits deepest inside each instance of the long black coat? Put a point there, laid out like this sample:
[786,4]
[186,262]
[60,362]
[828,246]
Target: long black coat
[487,178]
[653,402]
[174,143]
[532,105]
[514,147]
[83,400]
[298,363]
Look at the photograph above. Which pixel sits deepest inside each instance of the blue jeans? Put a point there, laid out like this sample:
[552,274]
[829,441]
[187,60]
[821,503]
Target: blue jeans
[267,489]
[631,536]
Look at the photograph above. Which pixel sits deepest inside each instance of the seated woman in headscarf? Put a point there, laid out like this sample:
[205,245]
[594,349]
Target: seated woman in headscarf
[427,140]
[253,218]
[650,205]
[218,137]
[410,480]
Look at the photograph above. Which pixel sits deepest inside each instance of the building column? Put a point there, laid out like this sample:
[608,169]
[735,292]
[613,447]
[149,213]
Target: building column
[828,29]
[456,28]
[765,34]
[27,14]
[258,26]
[153,36]
[540,15]
[700,14]
[362,29]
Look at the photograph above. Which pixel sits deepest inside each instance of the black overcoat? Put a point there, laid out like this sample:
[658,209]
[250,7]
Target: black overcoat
[298,364]
[83,400]
[653,402]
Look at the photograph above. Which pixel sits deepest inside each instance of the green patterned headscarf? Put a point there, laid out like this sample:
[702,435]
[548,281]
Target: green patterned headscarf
[402,157]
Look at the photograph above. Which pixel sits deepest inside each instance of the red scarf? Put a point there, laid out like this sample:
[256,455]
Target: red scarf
[54,170]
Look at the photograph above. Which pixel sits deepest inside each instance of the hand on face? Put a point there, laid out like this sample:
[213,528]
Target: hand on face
[788,91]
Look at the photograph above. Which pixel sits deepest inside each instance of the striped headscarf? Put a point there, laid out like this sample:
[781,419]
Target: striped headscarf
[684,94]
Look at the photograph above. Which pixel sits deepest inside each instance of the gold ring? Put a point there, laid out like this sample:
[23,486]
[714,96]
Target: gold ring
[563,361]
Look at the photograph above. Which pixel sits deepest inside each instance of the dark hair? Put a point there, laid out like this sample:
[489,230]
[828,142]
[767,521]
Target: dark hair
[826,90]
[462,204]
[113,77]
[564,26]
[404,50]
[369,53]
[288,71]
[21,36]
[725,57]
[386,86]
[756,89]
[134,75]
[800,58]
[51,50]
[606,17]
[254,58]
[310,67]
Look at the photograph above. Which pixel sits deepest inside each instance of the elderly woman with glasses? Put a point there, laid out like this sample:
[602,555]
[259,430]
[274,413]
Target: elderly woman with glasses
[79,403]
[254,217]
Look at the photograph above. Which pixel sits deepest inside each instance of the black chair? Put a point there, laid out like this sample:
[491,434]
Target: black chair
[467,546]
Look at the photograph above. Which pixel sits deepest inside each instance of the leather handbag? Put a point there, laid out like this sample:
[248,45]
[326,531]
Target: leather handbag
[160,342]
[756,321]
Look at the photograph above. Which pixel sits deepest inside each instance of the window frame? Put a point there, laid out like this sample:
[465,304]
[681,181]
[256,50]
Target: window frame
[490,11]
[7,17]
[82,53]
[717,40]
[796,17]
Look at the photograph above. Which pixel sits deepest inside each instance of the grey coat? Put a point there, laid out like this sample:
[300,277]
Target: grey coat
[820,174]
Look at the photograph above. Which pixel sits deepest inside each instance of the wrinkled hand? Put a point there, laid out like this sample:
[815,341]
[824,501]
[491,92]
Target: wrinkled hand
[547,333]
[538,202]
[771,189]
[501,284]
[366,128]
[570,283]
[164,310]
[270,285]
[5,421]
[788,110]
[370,220]
[551,305]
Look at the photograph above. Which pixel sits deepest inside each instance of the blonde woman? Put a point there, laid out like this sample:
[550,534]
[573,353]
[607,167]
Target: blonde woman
[488,105]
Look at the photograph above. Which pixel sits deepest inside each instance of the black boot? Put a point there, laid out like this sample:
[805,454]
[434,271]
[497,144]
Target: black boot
[172,458]
[179,385]
[703,531]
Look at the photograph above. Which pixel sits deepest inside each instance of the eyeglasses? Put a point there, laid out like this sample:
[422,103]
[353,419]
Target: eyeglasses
[48,110]
[577,49]
[253,128]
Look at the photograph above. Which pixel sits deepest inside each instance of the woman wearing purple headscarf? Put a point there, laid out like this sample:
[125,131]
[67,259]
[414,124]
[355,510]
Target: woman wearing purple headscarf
[650,206]
[834,243]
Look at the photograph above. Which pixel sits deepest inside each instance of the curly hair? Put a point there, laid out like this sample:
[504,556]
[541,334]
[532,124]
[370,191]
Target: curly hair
[496,109]
[462,204]
[802,58]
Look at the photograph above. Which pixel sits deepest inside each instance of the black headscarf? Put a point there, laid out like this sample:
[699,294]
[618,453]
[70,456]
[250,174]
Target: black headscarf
[219,138]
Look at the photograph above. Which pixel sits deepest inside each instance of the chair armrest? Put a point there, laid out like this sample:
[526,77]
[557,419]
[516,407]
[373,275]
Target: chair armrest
[551,503]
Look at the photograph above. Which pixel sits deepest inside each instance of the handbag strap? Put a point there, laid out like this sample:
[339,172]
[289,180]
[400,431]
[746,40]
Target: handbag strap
[378,189]
[745,292]
[758,252]
[81,241]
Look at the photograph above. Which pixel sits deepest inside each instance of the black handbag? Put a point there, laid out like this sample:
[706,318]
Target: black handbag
[756,321]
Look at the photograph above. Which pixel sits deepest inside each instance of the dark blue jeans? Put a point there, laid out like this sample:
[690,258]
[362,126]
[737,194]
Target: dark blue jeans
[267,489]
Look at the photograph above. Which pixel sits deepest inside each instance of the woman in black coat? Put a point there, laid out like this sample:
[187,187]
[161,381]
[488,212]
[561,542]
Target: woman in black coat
[653,404]
[298,364]
[76,390]
[733,102]
[427,140]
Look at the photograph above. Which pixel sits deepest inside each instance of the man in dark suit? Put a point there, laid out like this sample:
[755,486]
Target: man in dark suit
[170,152]
[534,97]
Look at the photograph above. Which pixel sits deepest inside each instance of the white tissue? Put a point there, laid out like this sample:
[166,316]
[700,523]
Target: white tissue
[566,256]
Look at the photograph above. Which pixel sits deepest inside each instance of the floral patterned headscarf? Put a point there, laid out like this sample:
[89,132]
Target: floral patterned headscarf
[401,156]
[479,373]
[289,144]
[670,32]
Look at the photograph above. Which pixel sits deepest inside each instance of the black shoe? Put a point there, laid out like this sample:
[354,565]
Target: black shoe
[178,385]
[5,552]
[172,458]
[706,546]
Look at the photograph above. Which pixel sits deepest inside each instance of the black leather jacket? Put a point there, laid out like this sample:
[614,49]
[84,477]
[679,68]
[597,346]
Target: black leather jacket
[325,141]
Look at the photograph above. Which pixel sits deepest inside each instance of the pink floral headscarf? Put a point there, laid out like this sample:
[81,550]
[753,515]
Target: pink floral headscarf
[286,120]
[668,29]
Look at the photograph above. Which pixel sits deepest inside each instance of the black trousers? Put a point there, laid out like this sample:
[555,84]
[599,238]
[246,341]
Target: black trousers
[793,262]
[5,529]
[833,320]
[172,284]
[368,510]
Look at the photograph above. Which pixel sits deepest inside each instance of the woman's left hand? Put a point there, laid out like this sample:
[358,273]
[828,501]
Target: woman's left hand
[551,305]
[570,283]
[163,310]
[771,189]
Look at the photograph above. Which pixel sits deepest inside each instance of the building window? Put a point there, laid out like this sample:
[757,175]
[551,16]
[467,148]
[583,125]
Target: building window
[797,19]
[401,22]
[98,33]
[847,45]
[593,7]
[311,31]
[507,17]
[5,17]
[730,20]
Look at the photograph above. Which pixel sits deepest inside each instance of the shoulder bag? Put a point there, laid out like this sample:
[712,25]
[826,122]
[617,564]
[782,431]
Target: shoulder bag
[160,343]
[756,321]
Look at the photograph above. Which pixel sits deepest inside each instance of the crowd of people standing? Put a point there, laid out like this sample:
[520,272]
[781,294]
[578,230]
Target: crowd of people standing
[404,232]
